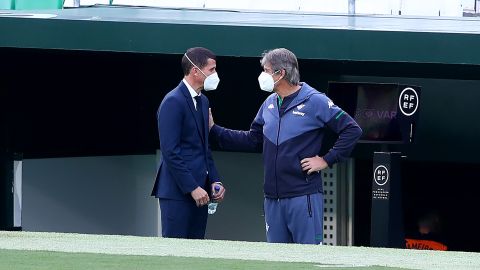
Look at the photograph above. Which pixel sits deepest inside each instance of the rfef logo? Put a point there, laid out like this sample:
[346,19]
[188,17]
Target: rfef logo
[380,175]
[408,101]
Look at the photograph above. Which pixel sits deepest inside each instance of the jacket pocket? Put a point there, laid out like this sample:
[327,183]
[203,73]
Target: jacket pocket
[313,176]
[302,172]
[306,176]
[186,152]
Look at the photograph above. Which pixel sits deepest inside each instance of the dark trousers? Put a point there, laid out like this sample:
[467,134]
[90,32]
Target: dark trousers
[183,219]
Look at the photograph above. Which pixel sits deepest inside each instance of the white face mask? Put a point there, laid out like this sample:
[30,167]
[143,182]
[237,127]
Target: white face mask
[211,81]
[266,81]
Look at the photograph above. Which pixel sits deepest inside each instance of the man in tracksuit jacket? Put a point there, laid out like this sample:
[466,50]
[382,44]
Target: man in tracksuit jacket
[291,125]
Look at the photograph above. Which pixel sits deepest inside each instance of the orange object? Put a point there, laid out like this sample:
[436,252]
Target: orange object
[425,244]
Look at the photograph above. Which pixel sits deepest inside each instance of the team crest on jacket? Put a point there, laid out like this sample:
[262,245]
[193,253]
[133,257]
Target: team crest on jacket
[299,107]
[270,106]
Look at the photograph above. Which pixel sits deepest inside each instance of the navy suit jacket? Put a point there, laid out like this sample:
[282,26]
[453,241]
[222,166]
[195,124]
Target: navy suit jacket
[186,157]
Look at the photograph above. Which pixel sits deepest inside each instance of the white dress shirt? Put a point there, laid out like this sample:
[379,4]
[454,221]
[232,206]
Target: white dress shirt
[192,93]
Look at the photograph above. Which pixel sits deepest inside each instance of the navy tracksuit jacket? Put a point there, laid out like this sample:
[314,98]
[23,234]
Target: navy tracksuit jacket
[286,140]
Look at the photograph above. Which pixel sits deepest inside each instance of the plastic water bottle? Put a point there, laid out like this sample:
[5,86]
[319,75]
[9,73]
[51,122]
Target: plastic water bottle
[212,205]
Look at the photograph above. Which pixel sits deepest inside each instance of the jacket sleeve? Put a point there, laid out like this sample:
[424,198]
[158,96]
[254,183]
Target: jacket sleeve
[239,140]
[343,125]
[213,175]
[169,115]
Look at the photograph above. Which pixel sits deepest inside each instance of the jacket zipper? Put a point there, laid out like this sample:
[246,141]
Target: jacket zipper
[276,153]
[278,135]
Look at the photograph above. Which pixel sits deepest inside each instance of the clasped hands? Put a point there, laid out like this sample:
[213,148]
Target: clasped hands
[201,196]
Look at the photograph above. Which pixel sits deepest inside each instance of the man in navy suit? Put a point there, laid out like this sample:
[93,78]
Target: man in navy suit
[187,175]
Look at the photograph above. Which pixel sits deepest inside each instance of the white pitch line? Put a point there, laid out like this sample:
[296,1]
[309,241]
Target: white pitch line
[155,246]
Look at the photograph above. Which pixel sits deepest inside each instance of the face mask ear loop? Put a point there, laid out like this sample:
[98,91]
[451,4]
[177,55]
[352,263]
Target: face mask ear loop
[274,82]
[188,58]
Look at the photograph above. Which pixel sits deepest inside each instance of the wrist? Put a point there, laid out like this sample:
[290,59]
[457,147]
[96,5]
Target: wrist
[191,192]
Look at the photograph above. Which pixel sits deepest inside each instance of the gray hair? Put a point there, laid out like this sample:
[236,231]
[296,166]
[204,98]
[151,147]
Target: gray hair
[282,58]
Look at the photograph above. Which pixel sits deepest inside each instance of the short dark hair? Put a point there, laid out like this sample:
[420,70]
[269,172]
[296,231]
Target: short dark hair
[199,56]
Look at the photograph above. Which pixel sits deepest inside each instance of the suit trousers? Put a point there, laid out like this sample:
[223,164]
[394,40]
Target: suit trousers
[183,219]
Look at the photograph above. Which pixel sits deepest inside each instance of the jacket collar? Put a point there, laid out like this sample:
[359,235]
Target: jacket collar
[183,88]
[305,92]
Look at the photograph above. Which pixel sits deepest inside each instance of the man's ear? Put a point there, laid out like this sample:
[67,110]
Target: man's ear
[282,74]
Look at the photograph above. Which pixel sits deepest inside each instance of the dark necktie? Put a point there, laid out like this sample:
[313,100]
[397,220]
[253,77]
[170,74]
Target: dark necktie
[198,99]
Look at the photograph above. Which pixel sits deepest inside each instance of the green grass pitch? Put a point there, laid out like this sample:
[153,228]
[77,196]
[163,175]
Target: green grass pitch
[33,250]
